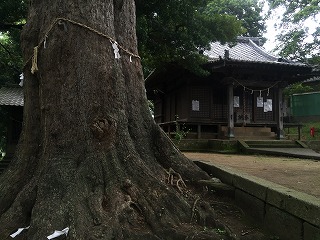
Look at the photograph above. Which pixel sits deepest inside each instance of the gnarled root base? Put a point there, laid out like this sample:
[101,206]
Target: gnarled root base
[98,203]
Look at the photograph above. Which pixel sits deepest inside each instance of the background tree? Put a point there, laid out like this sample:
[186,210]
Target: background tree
[171,31]
[10,58]
[12,14]
[296,40]
[175,31]
[12,18]
[90,156]
[248,12]
[297,88]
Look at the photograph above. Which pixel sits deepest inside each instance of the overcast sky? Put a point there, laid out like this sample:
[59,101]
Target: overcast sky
[272,32]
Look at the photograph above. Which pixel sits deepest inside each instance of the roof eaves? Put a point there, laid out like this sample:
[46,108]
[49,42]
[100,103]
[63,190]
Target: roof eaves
[11,96]
[235,61]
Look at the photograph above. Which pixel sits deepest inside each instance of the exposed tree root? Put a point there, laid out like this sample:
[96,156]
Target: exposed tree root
[129,210]
[175,179]
[194,207]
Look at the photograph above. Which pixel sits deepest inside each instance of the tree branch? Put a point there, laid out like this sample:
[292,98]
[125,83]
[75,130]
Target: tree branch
[10,55]
[8,26]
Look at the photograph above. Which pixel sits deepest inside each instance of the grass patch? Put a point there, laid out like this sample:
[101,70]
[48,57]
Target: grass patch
[305,132]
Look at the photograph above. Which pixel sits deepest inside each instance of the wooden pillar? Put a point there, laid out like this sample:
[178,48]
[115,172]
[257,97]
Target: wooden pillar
[299,132]
[231,112]
[279,114]
[199,131]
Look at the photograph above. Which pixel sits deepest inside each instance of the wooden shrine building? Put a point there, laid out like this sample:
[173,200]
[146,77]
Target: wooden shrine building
[11,102]
[241,98]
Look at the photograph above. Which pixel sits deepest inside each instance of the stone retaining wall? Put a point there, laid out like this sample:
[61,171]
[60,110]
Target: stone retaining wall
[222,146]
[315,145]
[207,145]
[289,214]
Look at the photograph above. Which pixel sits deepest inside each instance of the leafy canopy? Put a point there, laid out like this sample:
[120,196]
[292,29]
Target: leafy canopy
[10,57]
[297,88]
[12,14]
[297,39]
[168,31]
[12,18]
[249,12]
[176,30]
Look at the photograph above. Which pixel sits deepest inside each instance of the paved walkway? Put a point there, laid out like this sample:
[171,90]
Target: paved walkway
[300,174]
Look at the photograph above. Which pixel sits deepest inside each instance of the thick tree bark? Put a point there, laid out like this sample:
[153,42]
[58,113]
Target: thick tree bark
[90,156]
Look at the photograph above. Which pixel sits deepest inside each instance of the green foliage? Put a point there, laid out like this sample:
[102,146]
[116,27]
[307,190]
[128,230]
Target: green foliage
[316,87]
[10,57]
[181,130]
[175,31]
[169,31]
[151,107]
[305,131]
[220,231]
[249,12]
[296,40]
[12,17]
[12,12]
[297,88]
[297,10]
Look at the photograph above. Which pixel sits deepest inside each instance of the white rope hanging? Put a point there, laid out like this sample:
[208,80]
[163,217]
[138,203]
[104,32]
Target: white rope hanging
[257,90]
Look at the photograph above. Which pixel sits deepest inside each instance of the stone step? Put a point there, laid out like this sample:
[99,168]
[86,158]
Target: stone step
[275,142]
[257,137]
[272,144]
[252,130]
[264,133]
[254,134]
[247,129]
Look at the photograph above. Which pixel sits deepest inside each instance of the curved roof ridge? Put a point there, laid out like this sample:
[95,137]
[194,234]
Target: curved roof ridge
[262,51]
[245,50]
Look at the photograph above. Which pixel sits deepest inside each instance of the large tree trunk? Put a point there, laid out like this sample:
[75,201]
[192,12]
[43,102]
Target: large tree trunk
[90,156]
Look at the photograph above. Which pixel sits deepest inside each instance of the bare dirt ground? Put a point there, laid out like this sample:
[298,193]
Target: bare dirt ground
[298,174]
[242,226]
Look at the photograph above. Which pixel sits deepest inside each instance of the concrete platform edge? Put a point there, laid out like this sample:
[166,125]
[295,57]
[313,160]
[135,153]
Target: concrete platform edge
[279,209]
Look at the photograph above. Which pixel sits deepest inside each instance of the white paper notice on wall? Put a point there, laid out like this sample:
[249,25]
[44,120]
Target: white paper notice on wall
[58,233]
[268,105]
[236,101]
[195,105]
[259,101]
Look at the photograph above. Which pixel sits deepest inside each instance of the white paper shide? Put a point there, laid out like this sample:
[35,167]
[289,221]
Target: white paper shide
[13,235]
[58,233]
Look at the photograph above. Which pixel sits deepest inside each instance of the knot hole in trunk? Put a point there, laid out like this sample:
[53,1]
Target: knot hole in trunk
[104,129]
